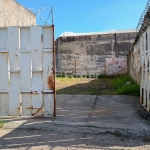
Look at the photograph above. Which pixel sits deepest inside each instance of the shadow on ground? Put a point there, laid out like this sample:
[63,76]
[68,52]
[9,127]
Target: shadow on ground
[82,122]
[87,86]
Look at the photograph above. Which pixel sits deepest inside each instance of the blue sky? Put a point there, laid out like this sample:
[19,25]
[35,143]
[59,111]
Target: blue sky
[91,15]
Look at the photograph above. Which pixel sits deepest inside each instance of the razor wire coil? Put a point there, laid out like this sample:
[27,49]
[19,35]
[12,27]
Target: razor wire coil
[26,17]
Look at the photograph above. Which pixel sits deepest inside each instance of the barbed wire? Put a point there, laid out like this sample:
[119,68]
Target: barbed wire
[143,24]
[145,15]
[26,17]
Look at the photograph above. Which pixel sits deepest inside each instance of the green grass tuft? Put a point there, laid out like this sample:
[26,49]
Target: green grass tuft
[104,85]
[1,123]
[122,88]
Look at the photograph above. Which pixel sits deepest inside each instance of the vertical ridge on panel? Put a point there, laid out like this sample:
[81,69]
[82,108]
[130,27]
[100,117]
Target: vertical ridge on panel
[25,71]
[141,65]
[148,69]
[14,92]
[48,76]
[148,93]
[144,43]
[3,73]
[36,54]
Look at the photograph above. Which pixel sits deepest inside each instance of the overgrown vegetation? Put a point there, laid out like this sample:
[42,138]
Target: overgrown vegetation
[1,123]
[124,85]
[104,85]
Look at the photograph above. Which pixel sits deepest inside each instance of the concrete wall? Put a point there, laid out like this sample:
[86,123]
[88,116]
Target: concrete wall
[141,43]
[134,65]
[13,14]
[102,53]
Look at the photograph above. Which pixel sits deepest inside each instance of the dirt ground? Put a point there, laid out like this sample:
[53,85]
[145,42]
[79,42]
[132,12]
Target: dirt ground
[83,122]
[84,86]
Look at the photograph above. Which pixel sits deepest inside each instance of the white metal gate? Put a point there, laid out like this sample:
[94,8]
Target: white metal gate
[145,65]
[27,71]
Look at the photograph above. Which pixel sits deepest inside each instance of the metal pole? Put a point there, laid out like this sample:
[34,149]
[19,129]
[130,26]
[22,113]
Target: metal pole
[52,16]
[54,72]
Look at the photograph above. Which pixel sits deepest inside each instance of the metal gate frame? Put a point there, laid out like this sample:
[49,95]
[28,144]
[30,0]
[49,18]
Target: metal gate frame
[54,70]
[10,53]
[144,43]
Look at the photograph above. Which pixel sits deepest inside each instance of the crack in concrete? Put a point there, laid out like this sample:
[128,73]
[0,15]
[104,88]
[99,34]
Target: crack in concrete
[93,107]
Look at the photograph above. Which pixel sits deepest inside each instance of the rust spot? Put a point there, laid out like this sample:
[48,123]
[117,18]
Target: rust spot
[34,92]
[30,107]
[50,81]
[37,111]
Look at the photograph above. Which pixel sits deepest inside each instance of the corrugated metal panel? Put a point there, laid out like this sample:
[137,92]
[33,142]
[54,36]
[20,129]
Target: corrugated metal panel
[48,105]
[3,37]
[25,72]
[48,75]
[148,70]
[13,48]
[3,73]
[48,37]
[14,92]
[36,53]
[145,64]
[4,109]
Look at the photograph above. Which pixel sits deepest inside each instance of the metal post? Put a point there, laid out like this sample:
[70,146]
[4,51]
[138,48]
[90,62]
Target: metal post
[54,72]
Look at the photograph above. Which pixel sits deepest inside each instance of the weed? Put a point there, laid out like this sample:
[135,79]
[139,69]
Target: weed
[104,85]
[1,123]
[89,126]
[106,92]
[106,76]
[122,88]
[117,134]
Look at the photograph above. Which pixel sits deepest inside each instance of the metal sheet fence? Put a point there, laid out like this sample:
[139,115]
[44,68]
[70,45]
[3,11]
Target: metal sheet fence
[27,74]
[145,67]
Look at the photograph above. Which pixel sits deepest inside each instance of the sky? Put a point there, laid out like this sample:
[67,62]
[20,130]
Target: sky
[82,16]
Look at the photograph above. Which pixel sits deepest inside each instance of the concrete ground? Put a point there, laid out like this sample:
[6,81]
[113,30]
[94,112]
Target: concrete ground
[82,122]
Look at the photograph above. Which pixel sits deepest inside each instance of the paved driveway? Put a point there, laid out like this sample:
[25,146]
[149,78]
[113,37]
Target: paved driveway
[82,122]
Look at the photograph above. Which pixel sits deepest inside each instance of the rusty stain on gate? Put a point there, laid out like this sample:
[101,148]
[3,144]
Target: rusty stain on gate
[26,71]
[50,81]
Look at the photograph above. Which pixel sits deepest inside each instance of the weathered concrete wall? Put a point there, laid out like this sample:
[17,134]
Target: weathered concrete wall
[14,14]
[88,53]
[134,63]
